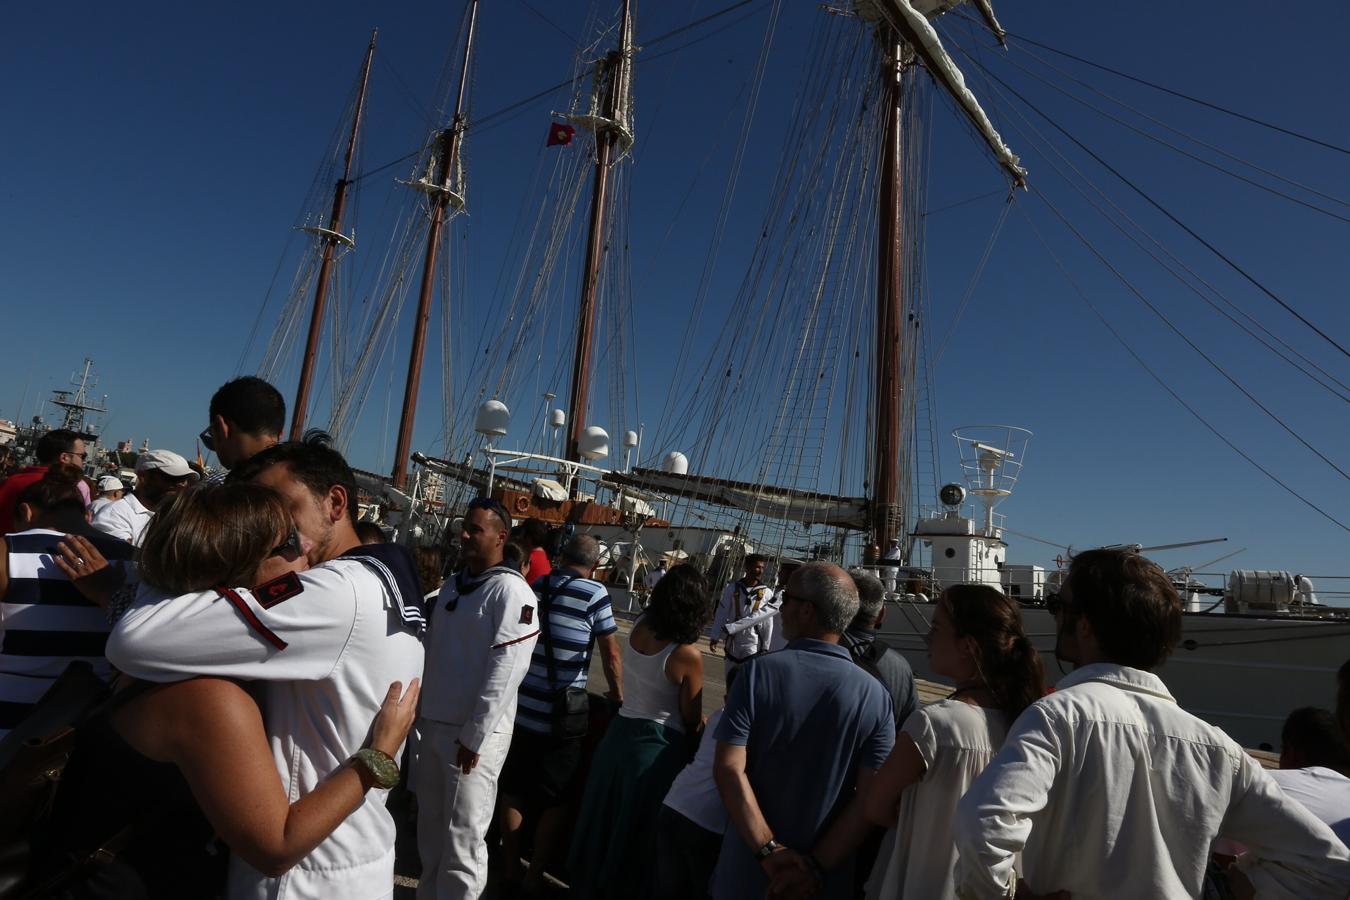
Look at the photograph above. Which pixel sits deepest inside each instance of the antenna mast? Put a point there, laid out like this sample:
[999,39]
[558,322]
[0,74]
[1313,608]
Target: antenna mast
[331,237]
[441,188]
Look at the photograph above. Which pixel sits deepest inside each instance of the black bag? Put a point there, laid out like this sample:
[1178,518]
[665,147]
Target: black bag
[34,753]
[571,707]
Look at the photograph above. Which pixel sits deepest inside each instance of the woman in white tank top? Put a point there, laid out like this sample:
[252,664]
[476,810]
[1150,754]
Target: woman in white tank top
[646,745]
[976,640]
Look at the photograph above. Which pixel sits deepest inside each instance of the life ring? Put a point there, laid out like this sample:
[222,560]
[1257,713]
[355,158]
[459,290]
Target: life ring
[522,504]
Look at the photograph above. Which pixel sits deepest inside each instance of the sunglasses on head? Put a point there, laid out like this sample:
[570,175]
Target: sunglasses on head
[493,506]
[290,546]
[207,440]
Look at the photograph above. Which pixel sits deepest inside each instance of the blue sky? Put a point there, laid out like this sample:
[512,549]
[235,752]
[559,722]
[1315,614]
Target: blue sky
[154,158]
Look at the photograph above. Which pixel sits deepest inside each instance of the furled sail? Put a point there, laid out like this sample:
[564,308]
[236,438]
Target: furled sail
[910,18]
[766,500]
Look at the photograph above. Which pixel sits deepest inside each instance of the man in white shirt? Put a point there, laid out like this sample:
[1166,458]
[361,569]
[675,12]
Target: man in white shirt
[482,634]
[743,597]
[766,620]
[324,644]
[159,475]
[110,490]
[1109,789]
[1314,760]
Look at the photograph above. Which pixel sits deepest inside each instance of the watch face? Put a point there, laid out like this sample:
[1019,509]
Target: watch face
[382,767]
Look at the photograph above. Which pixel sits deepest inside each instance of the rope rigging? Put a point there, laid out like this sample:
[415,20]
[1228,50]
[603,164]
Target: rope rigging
[1148,198]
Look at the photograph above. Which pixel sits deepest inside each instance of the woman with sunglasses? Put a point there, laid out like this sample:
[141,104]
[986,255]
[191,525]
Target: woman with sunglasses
[977,641]
[162,767]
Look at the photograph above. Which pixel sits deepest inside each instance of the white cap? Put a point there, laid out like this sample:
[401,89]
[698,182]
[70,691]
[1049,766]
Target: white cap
[109,483]
[166,461]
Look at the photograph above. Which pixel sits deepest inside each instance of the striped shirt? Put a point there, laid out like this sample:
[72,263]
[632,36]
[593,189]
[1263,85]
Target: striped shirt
[45,622]
[578,613]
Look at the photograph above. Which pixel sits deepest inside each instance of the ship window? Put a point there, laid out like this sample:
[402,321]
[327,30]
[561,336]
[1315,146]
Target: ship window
[949,552]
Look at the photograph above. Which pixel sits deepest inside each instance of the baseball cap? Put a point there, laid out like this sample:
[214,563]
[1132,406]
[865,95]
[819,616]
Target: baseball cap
[166,461]
[109,483]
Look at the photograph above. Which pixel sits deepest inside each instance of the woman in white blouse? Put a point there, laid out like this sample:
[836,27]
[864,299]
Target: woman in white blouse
[976,640]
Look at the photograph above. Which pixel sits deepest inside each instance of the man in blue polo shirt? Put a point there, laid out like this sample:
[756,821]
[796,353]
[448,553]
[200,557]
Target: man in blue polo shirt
[545,756]
[802,728]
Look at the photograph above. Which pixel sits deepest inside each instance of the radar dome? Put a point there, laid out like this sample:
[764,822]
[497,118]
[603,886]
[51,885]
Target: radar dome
[676,463]
[593,443]
[492,419]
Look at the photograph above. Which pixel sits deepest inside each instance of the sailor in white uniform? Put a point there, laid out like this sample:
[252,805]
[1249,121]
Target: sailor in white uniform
[765,619]
[482,634]
[324,644]
[743,597]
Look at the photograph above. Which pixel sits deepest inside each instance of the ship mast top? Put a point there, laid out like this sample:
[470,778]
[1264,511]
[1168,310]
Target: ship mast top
[443,184]
[610,122]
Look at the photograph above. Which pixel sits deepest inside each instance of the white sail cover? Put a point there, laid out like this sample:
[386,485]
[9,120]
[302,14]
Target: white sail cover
[910,20]
[766,500]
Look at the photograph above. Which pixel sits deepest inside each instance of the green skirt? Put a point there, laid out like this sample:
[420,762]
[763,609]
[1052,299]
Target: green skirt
[614,845]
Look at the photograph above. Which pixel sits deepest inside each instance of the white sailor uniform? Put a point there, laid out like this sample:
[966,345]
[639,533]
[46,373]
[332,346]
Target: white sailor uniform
[482,633]
[740,600]
[766,621]
[327,643]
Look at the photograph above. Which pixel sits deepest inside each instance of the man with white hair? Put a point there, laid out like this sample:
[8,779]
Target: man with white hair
[802,728]
[159,474]
[110,490]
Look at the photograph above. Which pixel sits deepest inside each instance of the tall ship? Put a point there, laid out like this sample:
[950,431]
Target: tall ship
[805,427]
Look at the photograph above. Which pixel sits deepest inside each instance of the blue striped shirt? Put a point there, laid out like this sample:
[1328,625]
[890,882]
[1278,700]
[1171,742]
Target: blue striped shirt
[45,622]
[578,613]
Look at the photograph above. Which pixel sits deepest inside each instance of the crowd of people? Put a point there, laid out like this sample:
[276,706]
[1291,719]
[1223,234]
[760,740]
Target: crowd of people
[275,667]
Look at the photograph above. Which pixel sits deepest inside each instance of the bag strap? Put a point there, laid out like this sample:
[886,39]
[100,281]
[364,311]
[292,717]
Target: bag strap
[545,631]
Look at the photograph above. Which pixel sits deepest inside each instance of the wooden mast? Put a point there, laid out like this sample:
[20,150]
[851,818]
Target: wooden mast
[332,236]
[885,512]
[605,137]
[441,195]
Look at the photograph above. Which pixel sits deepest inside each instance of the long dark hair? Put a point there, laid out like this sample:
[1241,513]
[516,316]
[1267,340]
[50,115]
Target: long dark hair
[1010,666]
[57,491]
[680,605]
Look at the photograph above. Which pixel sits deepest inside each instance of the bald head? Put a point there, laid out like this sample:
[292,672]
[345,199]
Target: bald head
[829,593]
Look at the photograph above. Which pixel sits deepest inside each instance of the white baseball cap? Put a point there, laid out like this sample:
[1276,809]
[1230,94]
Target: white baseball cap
[109,483]
[166,461]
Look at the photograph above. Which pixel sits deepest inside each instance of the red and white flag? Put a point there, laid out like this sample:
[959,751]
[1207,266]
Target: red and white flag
[560,134]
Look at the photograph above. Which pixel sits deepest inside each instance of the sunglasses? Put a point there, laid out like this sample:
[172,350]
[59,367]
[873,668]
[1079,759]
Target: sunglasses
[493,506]
[83,454]
[207,440]
[290,546]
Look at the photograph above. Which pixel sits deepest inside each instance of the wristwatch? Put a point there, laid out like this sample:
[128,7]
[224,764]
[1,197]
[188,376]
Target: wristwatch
[768,849]
[379,764]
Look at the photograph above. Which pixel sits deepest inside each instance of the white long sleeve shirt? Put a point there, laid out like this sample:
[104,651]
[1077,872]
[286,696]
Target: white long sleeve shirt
[766,622]
[326,648]
[738,601]
[126,519]
[482,634]
[1109,789]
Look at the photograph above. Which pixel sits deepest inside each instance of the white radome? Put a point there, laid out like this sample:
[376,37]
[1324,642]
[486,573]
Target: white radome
[492,419]
[593,443]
